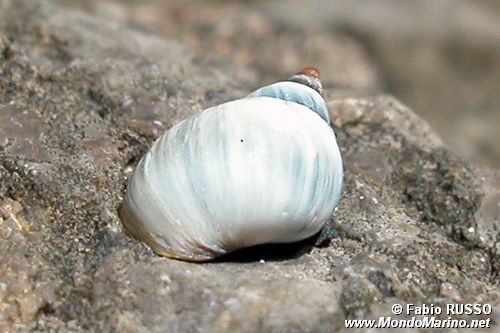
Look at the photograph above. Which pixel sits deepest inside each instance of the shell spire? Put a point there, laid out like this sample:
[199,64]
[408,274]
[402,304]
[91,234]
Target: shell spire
[302,88]
[310,77]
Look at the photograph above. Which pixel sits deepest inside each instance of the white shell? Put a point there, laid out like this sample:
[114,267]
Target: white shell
[252,171]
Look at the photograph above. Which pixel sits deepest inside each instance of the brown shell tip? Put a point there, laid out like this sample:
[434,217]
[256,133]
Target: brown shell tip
[310,71]
[309,76]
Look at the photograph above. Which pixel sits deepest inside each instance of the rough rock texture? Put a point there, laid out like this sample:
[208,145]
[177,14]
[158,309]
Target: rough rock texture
[81,99]
[245,44]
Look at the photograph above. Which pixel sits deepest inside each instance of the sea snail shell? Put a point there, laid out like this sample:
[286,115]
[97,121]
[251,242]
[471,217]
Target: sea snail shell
[262,169]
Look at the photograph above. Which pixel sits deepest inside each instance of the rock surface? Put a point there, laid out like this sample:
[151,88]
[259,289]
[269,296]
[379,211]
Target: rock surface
[81,99]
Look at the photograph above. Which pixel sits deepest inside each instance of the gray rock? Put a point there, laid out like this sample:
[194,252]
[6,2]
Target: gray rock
[82,98]
[237,41]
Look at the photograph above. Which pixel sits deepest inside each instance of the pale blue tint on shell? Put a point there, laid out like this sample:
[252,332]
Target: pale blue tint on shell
[298,93]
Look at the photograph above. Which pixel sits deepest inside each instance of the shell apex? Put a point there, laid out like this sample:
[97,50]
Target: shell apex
[309,76]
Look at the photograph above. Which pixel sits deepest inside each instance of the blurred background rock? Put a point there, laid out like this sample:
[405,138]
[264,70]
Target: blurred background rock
[441,57]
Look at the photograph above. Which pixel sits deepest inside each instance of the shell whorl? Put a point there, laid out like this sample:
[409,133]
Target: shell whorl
[303,88]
